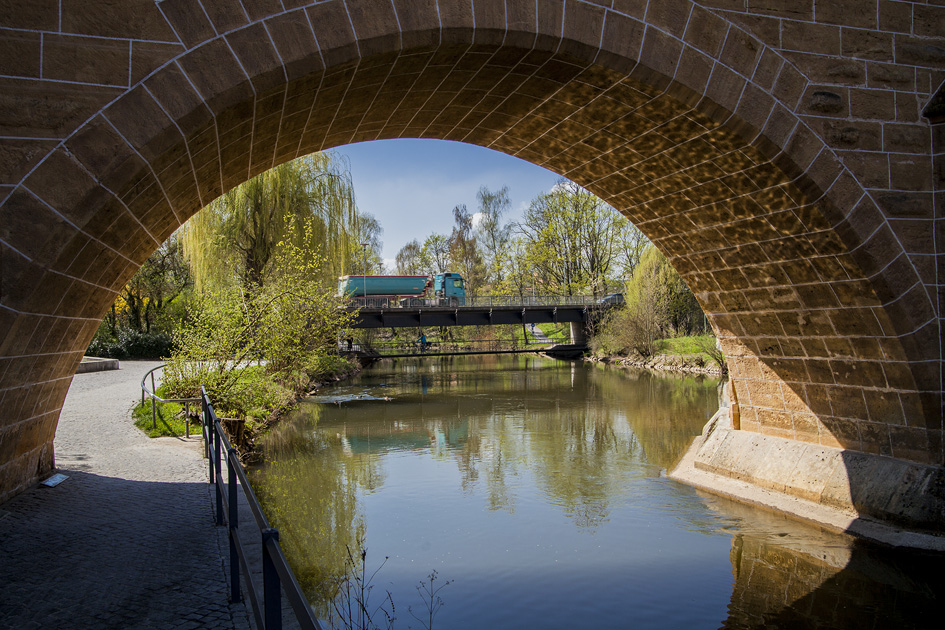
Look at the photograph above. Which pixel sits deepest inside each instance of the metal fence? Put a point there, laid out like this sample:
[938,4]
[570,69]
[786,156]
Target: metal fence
[277,576]
[486,301]
[152,393]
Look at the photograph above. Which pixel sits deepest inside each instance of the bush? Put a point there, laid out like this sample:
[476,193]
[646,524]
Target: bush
[131,344]
[257,348]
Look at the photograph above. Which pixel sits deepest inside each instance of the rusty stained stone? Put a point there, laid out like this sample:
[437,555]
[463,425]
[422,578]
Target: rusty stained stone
[822,101]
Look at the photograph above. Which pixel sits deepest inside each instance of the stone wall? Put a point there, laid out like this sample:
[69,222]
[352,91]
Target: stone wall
[775,150]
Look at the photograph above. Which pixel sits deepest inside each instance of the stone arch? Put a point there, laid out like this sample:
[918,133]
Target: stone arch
[677,115]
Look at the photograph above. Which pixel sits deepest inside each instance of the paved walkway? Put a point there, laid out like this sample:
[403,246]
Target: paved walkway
[128,540]
[538,334]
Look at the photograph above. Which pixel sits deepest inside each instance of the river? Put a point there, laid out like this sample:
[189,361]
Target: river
[536,491]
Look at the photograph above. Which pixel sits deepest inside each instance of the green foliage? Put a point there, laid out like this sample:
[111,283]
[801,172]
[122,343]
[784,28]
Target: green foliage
[408,259]
[256,349]
[130,344]
[148,308]
[168,419]
[308,202]
[658,304]
[685,345]
[570,237]
[465,255]
[491,233]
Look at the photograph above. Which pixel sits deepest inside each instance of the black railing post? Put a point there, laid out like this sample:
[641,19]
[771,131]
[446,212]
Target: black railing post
[234,523]
[207,432]
[272,591]
[217,468]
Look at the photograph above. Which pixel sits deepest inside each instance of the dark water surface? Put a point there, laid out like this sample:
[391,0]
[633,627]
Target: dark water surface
[537,488]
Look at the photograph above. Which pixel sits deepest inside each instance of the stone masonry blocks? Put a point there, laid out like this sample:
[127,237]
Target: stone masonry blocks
[775,152]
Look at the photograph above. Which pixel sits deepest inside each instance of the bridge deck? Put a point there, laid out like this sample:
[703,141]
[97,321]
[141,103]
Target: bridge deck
[558,351]
[416,316]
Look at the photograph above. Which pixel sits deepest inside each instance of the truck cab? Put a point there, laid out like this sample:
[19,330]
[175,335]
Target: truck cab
[449,289]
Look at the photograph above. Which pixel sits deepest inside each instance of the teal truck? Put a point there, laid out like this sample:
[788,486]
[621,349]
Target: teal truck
[443,289]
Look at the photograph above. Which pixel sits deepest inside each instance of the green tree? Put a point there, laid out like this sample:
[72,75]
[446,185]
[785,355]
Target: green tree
[465,256]
[367,235]
[491,233]
[409,260]
[629,244]
[570,239]
[308,202]
[658,304]
[157,284]
[435,254]
[257,348]
[147,309]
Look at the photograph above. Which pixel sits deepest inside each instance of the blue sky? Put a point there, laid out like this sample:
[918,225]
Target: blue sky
[411,186]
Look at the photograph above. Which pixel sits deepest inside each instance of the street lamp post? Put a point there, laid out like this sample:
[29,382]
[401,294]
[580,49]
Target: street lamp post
[364,271]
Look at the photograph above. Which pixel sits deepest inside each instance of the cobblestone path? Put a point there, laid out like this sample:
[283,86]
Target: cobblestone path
[128,540]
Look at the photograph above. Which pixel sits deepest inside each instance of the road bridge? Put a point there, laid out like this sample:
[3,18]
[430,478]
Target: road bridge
[488,311]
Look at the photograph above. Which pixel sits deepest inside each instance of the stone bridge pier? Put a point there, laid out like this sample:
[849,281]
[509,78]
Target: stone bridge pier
[784,154]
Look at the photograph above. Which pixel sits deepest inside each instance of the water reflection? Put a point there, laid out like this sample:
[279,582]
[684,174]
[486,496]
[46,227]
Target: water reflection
[530,481]
[792,575]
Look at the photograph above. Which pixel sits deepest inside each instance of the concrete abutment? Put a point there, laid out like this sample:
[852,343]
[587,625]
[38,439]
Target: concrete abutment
[777,155]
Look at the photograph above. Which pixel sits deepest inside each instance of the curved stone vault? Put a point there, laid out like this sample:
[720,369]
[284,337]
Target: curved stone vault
[777,154]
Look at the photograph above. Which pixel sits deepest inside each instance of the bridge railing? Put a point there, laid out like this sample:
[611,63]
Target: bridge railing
[277,576]
[484,301]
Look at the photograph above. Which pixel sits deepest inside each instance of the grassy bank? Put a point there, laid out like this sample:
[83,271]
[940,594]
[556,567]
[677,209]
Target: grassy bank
[695,353]
[256,401]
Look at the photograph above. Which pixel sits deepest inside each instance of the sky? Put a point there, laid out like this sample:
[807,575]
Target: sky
[411,186]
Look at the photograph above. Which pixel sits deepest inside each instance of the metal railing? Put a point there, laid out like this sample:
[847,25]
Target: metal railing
[152,393]
[437,347]
[276,573]
[486,301]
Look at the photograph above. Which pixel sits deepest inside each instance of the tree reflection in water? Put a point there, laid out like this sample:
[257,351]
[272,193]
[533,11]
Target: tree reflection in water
[518,435]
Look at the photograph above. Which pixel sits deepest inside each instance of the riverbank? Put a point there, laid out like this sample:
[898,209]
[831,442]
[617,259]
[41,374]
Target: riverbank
[244,431]
[246,437]
[687,355]
[685,364]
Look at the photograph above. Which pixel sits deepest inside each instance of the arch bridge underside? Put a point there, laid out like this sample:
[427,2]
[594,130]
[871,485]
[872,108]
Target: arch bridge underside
[779,157]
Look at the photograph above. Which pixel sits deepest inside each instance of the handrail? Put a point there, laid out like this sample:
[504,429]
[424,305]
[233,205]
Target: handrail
[155,397]
[483,301]
[277,575]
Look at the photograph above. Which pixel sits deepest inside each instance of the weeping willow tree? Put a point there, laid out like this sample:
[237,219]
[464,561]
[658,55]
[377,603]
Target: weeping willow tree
[308,203]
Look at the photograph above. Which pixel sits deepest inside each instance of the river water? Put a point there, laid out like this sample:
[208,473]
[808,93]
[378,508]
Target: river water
[536,491]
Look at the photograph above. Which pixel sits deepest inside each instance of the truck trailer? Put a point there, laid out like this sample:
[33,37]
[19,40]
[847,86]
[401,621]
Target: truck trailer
[443,289]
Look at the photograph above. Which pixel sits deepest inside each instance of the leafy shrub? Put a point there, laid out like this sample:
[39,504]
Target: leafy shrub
[257,348]
[131,344]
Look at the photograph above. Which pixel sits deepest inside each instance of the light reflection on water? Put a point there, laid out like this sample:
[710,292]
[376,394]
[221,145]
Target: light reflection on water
[536,486]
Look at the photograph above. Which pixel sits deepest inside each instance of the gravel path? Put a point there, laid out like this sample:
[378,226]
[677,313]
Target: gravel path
[128,540]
